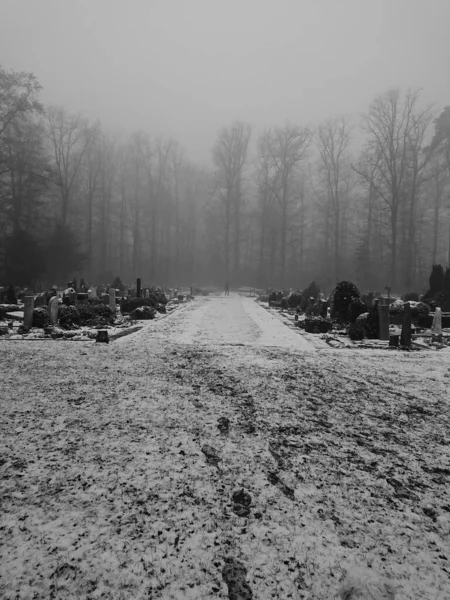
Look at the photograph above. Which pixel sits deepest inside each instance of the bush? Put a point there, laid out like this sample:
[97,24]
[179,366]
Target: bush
[357,307]
[10,296]
[143,313]
[342,296]
[95,301]
[317,325]
[101,310]
[2,313]
[68,316]
[117,284]
[356,331]
[284,303]
[41,318]
[312,291]
[128,305]
[87,312]
[414,296]
[295,299]
[418,309]
[372,323]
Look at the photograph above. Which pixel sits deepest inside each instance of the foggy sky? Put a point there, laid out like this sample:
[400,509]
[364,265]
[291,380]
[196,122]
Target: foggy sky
[188,67]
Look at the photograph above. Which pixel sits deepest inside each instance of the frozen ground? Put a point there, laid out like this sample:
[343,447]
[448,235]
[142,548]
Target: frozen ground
[106,492]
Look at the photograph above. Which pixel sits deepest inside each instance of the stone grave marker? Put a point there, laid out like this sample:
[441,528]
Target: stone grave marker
[112,299]
[28,311]
[383,315]
[138,288]
[405,338]
[53,305]
[102,336]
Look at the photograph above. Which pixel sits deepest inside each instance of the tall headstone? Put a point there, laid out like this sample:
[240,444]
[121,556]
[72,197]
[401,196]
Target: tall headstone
[138,288]
[28,311]
[90,293]
[405,338]
[53,305]
[383,315]
[436,327]
[147,293]
[112,299]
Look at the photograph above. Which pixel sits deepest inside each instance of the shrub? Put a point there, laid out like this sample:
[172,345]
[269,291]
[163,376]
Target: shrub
[2,313]
[418,309]
[343,294]
[87,312]
[284,303]
[117,284]
[295,299]
[317,325]
[356,331]
[436,280]
[41,318]
[10,296]
[101,310]
[95,301]
[372,323]
[128,305]
[357,307]
[312,291]
[68,316]
[144,313]
[414,296]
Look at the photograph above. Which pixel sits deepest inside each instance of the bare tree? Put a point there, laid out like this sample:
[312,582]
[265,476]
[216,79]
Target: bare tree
[287,147]
[69,138]
[395,130]
[229,157]
[333,140]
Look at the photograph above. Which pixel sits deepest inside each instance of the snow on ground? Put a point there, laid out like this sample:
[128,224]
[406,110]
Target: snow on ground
[106,493]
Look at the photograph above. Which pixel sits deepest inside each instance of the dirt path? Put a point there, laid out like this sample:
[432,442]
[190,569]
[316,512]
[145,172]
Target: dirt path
[216,451]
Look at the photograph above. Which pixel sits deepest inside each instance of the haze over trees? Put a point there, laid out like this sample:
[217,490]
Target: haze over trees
[279,207]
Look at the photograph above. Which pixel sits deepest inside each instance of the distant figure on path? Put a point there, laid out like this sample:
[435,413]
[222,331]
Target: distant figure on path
[227,288]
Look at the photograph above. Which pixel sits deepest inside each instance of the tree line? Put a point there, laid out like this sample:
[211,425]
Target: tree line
[279,207]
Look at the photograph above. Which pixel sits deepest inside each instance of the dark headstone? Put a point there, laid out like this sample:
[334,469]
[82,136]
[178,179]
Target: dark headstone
[138,288]
[102,336]
[405,339]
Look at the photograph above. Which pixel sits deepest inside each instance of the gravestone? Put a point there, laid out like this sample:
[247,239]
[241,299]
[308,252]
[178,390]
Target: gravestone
[436,327]
[147,293]
[112,299]
[383,315]
[28,311]
[405,338]
[138,288]
[90,293]
[102,336]
[53,305]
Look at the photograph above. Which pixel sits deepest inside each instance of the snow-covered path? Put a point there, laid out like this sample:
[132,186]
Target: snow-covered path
[236,320]
[108,487]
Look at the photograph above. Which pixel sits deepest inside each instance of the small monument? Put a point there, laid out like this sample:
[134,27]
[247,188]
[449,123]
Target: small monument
[102,336]
[405,338]
[28,311]
[53,305]
[112,299]
[138,288]
[436,326]
[383,315]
